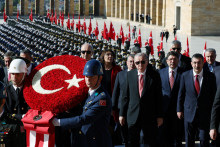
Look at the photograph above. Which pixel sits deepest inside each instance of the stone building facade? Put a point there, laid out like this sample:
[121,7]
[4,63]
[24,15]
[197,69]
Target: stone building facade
[191,17]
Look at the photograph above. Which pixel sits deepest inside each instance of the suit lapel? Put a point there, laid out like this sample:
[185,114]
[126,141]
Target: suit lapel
[147,83]
[204,81]
[135,79]
[167,79]
[192,84]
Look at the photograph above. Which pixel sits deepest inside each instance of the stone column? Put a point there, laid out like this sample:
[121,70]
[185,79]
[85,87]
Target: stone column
[39,7]
[24,7]
[71,9]
[57,7]
[9,7]
[96,7]
[164,13]
[51,6]
[153,12]
[141,8]
[121,13]
[108,7]
[86,7]
[80,7]
[136,9]
[126,9]
[101,7]
[112,8]
[159,12]
[116,8]
[146,10]
[131,9]
[66,7]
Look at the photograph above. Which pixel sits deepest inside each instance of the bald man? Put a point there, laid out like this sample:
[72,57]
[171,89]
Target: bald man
[86,51]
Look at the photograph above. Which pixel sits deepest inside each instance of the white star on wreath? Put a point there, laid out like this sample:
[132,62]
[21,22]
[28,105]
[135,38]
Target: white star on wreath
[74,82]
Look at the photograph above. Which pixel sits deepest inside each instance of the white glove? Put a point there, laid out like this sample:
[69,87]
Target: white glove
[56,122]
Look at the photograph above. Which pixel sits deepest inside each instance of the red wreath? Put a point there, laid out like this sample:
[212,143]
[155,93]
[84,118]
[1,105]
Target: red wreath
[61,73]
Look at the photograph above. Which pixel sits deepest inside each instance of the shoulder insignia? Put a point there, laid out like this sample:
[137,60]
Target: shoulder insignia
[102,102]
[96,93]
[102,93]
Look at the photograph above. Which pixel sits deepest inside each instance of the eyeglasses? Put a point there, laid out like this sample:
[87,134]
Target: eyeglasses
[88,52]
[176,49]
[138,62]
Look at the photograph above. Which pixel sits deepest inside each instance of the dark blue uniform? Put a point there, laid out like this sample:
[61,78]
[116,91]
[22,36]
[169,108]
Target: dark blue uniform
[93,122]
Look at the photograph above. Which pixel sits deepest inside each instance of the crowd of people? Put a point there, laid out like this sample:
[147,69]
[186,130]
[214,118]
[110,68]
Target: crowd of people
[130,101]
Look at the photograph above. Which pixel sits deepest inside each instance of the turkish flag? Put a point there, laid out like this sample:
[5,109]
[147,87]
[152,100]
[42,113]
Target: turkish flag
[62,19]
[96,30]
[90,27]
[151,43]
[72,23]
[84,25]
[105,33]
[31,16]
[204,53]
[122,35]
[161,43]
[110,34]
[51,18]
[68,22]
[139,38]
[113,33]
[17,14]
[187,50]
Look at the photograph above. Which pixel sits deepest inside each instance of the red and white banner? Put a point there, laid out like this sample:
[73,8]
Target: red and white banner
[40,131]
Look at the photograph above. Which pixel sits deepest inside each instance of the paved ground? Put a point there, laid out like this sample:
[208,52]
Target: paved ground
[196,43]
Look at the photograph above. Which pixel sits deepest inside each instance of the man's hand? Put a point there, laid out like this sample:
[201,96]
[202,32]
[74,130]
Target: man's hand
[56,122]
[122,120]
[180,115]
[159,121]
[213,134]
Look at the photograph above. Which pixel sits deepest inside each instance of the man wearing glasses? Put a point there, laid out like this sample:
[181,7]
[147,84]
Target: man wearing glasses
[86,51]
[184,62]
[141,102]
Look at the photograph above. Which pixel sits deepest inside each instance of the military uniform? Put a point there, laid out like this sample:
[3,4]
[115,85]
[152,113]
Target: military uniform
[93,122]
[16,107]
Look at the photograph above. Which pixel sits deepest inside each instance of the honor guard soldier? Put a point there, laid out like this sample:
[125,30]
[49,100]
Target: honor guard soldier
[94,120]
[9,130]
[15,103]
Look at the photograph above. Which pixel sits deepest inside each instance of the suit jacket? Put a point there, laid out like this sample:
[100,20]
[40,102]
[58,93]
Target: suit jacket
[93,122]
[217,75]
[215,115]
[149,105]
[5,75]
[185,63]
[118,87]
[170,96]
[190,103]
[205,66]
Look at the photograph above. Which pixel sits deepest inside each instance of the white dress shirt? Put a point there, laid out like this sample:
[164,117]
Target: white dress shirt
[200,77]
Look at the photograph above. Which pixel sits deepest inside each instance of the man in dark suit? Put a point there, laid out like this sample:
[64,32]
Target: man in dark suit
[215,120]
[210,64]
[7,60]
[15,103]
[217,75]
[117,94]
[141,102]
[170,131]
[195,99]
[27,55]
[184,62]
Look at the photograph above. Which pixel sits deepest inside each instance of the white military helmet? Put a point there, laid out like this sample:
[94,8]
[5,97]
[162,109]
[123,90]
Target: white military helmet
[18,66]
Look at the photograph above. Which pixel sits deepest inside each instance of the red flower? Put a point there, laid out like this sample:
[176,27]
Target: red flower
[56,85]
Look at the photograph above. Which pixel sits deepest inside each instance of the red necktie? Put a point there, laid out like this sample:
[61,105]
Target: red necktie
[172,80]
[141,84]
[197,86]
[9,76]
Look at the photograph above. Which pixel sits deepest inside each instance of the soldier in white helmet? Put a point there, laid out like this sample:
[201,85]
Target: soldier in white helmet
[15,103]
